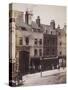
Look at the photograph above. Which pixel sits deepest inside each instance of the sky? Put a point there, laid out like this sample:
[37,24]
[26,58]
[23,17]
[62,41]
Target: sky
[46,12]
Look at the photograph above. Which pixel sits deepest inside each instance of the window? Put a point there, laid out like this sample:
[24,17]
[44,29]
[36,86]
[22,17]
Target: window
[20,41]
[40,42]
[53,51]
[38,30]
[40,52]
[47,40]
[51,32]
[23,28]
[46,31]
[36,41]
[27,40]
[47,51]
[53,41]
[34,29]
[60,43]
[35,52]
[60,52]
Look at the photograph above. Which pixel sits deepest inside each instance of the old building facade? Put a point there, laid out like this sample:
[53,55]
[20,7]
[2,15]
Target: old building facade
[27,44]
[50,46]
[32,44]
[61,45]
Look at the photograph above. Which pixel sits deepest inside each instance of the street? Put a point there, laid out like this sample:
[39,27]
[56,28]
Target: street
[55,78]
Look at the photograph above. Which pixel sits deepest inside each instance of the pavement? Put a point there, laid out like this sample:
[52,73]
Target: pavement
[44,77]
[44,73]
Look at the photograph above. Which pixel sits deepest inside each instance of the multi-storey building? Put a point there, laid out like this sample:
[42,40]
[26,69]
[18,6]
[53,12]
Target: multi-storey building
[32,44]
[50,46]
[27,44]
[61,45]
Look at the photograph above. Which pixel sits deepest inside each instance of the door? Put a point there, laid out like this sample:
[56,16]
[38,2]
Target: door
[24,62]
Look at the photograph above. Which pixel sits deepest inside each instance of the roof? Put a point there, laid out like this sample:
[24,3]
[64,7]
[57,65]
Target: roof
[34,25]
[29,27]
[46,27]
[41,28]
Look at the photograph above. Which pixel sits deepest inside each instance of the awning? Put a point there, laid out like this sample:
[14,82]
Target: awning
[51,57]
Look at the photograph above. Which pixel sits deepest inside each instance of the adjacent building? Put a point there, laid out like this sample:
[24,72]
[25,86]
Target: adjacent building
[50,57]
[61,45]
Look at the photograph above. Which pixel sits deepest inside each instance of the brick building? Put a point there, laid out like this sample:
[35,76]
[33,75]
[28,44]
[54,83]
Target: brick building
[50,46]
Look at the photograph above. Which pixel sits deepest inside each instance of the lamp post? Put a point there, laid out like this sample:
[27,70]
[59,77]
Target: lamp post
[41,67]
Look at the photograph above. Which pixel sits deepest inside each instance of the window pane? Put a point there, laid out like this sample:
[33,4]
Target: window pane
[40,52]
[20,41]
[36,41]
[27,40]
[35,52]
[40,42]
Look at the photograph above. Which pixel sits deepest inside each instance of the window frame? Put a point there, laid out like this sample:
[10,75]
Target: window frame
[20,41]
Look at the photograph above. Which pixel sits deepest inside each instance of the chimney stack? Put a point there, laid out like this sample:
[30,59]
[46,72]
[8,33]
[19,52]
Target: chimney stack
[28,17]
[52,24]
[38,21]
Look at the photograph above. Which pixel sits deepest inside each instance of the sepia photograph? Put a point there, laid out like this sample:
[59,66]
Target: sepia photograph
[37,44]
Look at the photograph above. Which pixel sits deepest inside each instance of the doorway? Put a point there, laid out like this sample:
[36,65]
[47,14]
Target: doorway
[24,62]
